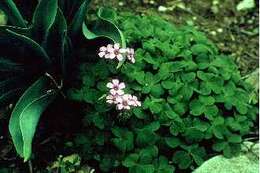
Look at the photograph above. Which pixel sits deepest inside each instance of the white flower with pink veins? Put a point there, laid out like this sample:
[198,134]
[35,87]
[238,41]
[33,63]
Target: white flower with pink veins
[116,87]
[118,52]
[134,101]
[112,99]
[123,102]
[106,51]
[130,54]
[112,52]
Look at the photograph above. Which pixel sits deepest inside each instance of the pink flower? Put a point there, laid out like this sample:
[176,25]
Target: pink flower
[118,52]
[106,51]
[134,101]
[123,102]
[130,54]
[118,98]
[112,52]
[112,99]
[116,87]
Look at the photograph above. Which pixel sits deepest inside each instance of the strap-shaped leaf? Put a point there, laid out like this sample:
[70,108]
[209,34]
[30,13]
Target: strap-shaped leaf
[67,48]
[70,7]
[79,18]
[11,87]
[43,18]
[31,104]
[108,14]
[16,29]
[8,65]
[11,83]
[15,17]
[29,43]
[29,119]
[104,27]
[7,97]
[54,44]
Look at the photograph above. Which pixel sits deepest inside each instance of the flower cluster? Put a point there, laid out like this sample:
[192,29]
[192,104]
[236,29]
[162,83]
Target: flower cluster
[116,52]
[118,97]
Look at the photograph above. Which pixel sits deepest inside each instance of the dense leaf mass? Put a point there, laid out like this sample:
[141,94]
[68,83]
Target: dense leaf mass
[43,49]
[195,103]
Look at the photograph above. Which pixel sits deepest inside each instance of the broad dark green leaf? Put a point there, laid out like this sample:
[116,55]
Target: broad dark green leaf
[11,83]
[26,113]
[20,30]
[55,41]
[79,18]
[43,18]
[30,44]
[29,119]
[104,27]
[14,16]
[8,96]
[8,65]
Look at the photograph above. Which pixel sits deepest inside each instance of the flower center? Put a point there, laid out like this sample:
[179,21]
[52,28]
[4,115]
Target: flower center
[116,87]
[125,103]
[116,52]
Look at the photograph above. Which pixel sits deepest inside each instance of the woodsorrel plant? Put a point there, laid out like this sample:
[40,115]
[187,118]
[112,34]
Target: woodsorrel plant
[36,56]
[194,103]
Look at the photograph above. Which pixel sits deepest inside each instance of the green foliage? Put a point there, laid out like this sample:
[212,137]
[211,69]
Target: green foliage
[69,164]
[41,51]
[245,162]
[9,7]
[194,102]
[105,27]
[3,18]
[26,114]
[253,79]
[245,5]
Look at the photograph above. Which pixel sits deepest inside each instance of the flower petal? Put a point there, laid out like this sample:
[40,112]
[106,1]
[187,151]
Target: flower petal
[103,49]
[127,107]
[112,56]
[110,101]
[117,46]
[119,106]
[101,54]
[122,50]
[138,103]
[110,85]
[119,99]
[121,85]
[110,48]
[126,96]
[109,97]
[115,81]
[107,56]
[120,57]
[120,92]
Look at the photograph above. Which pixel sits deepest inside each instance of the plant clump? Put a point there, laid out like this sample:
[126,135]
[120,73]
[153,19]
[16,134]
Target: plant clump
[33,76]
[194,102]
